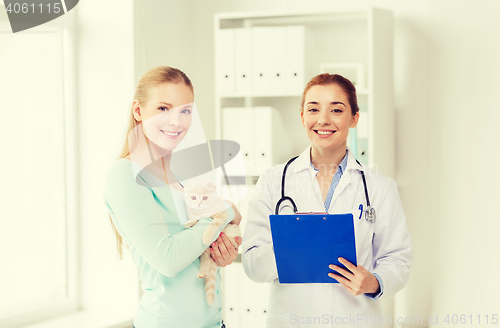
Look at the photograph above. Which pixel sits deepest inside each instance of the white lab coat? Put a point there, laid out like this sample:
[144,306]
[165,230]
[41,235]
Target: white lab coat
[383,247]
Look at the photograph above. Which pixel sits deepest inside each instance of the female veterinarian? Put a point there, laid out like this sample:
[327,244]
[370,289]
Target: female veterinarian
[327,177]
[146,207]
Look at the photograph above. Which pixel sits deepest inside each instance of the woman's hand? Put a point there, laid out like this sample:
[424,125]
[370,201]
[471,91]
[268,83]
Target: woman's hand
[237,215]
[358,282]
[222,250]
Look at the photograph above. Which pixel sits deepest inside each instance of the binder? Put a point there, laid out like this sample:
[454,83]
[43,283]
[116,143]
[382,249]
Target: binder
[295,58]
[260,59]
[237,123]
[243,41]
[266,120]
[225,54]
[276,37]
[306,244]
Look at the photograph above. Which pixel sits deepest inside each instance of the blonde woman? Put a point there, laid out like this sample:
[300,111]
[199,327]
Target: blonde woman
[146,208]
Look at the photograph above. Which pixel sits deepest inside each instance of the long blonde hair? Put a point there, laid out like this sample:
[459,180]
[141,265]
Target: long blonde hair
[150,79]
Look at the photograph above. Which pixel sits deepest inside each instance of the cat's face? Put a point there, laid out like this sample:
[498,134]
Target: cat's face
[200,194]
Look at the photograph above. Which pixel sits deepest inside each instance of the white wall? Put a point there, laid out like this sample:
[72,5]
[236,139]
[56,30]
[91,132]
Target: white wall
[105,80]
[464,82]
[163,35]
[446,80]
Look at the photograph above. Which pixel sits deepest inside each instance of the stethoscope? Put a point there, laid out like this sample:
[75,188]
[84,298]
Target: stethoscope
[370,215]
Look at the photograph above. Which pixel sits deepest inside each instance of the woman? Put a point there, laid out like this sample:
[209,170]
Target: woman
[326,177]
[147,210]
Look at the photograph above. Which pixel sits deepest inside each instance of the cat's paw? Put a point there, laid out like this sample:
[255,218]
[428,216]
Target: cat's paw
[206,238]
[202,273]
[221,216]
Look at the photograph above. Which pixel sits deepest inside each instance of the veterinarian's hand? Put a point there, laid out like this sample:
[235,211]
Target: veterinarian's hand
[237,215]
[358,282]
[222,250]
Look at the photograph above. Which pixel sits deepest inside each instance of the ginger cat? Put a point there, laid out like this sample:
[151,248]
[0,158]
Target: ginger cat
[202,202]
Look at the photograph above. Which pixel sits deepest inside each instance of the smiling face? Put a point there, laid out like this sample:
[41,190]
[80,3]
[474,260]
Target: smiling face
[327,117]
[166,116]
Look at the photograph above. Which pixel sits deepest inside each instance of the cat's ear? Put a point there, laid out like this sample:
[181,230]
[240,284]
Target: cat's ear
[188,187]
[210,186]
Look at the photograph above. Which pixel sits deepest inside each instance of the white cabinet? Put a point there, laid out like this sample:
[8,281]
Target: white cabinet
[264,60]
[248,307]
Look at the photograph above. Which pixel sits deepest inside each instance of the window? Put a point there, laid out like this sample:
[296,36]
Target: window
[37,168]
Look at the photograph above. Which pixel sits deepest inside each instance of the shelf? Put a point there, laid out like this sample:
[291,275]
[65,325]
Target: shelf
[361,37]
[227,20]
[261,95]
[363,92]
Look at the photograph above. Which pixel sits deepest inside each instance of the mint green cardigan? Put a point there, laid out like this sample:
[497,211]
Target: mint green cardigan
[149,217]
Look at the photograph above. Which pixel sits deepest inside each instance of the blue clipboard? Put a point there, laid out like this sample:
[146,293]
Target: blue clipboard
[306,244]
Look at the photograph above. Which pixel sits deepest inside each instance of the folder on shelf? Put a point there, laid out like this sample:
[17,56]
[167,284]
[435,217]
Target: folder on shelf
[225,55]
[306,244]
[295,58]
[243,42]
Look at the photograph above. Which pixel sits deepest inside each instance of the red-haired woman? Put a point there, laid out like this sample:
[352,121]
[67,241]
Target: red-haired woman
[327,178]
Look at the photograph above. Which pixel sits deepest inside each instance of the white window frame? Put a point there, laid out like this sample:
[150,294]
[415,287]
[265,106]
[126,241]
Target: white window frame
[65,29]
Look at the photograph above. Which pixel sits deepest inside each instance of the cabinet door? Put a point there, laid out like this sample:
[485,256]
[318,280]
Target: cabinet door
[225,54]
[248,306]
[295,58]
[261,302]
[243,51]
